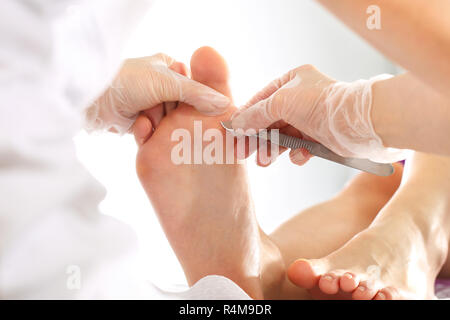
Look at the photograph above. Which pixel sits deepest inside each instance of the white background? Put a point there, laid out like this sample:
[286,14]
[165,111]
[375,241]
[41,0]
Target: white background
[261,40]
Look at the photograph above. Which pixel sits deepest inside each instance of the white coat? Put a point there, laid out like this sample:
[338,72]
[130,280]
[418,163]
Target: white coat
[56,57]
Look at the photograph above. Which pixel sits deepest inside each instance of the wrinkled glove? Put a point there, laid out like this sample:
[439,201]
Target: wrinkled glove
[337,114]
[144,83]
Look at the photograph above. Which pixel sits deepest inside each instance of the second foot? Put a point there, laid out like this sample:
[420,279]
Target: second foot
[380,263]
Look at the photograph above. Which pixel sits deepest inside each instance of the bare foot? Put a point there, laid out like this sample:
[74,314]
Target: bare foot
[326,227]
[400,255]
[205,209]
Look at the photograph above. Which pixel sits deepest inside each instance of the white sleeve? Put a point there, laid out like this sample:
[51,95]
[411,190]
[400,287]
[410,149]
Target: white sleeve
[212,287]
[73,47]
[56,56]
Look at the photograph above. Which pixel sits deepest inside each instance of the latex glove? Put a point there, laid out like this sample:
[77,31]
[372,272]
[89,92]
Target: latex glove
[144,83]
[337,114]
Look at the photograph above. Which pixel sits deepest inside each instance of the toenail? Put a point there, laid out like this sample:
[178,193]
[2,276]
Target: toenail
[328,278]
[348,276]
[362,288]
[381,295]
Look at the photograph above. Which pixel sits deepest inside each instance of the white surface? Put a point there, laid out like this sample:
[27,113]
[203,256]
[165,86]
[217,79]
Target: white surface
[261,40]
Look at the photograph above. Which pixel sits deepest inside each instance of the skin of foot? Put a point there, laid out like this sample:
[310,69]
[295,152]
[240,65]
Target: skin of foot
[346,214]
[254,264]
[206,210]
[402,251]
[324,228]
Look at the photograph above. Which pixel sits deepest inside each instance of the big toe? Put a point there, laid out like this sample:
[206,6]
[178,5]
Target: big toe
[209,67]
[303,274]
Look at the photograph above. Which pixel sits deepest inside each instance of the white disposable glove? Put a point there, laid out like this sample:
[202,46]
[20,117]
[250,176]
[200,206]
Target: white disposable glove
[144,83]
[337,114]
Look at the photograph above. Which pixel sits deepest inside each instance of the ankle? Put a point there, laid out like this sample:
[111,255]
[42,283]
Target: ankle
[424,232]
[273,268]
[435,236]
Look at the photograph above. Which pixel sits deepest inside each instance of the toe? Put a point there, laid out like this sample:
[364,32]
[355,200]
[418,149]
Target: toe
[364,292]
[170,106]
[387,294]
[381,296]
[155,114]
[348,282]
[180,68]
[329,283]
[209,67]
[302,274]
[142,130]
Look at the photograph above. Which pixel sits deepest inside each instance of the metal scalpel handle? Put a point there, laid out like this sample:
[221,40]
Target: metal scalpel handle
[380,169]
[316,149]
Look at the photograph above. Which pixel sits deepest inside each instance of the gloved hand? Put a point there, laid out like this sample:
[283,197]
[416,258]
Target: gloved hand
[143,83]
[336,114]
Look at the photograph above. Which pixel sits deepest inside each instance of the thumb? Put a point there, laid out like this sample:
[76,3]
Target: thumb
[261,115]
[203,98]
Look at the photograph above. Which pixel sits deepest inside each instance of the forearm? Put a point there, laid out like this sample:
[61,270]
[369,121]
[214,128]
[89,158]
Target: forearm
[413,33]
[407,114]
